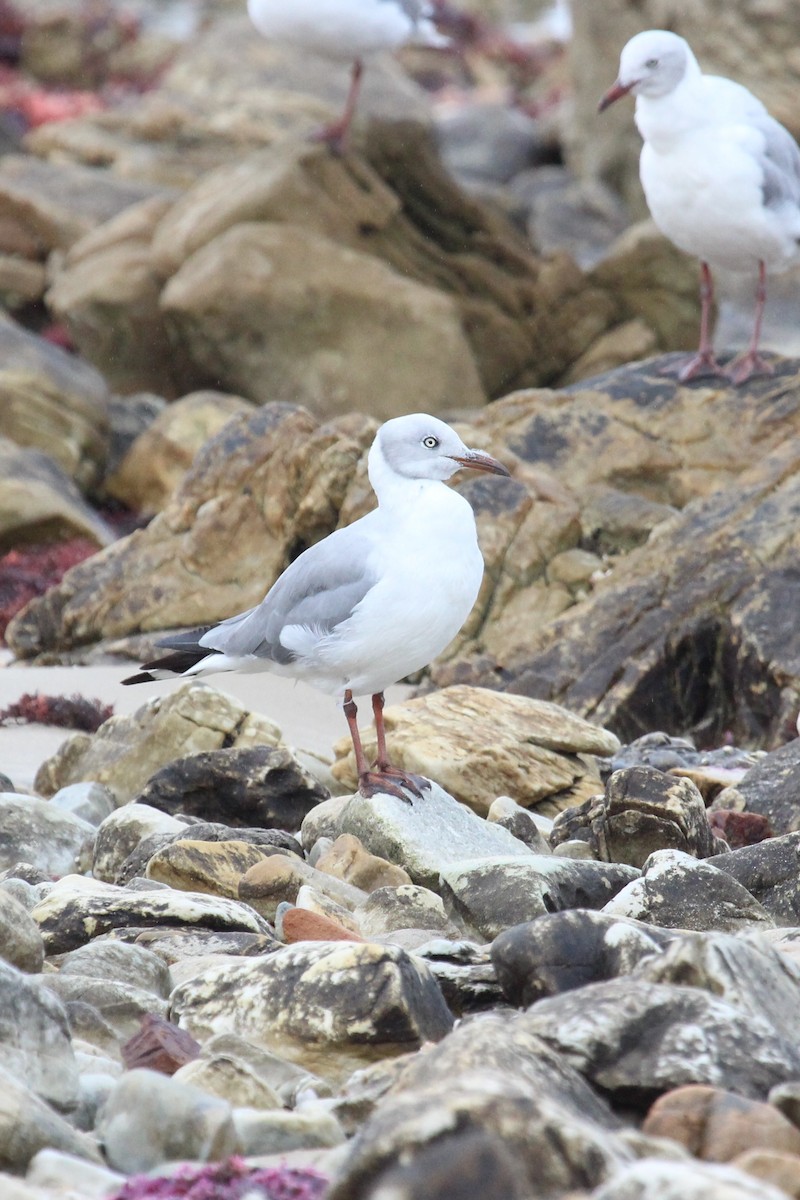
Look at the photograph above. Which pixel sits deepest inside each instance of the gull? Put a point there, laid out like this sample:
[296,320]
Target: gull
[349,30]
[720,175]
[372,602]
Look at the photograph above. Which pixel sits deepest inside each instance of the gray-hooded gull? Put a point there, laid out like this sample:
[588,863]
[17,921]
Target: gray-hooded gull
[348,30]
[371,603]
[721,177]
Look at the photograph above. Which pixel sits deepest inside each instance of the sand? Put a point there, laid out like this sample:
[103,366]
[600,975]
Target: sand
[309,719]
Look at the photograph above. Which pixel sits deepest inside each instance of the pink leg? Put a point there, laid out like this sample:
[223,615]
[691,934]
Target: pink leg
[752,363]
[386,778]
[336,133]
[703,362]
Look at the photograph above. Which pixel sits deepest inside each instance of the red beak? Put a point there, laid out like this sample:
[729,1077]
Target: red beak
[614,93]
[477,461]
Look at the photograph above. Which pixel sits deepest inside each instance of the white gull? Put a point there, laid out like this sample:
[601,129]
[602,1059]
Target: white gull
[350,30]
[721,176]
[372,602]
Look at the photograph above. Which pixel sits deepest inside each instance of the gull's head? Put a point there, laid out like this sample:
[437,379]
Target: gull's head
[652,64]
[423,447]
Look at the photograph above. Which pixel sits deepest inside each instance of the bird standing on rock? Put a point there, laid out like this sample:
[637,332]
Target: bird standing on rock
[721,177]
[372,602]
[349,30]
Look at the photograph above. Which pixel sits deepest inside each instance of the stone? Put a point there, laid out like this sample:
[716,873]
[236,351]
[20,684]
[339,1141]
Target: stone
[470,1165]
[39,502]
[677,891]
[123,831]
[464,972]
[564,950]
[491,895]
[239,848]
[21,943]
[77,910]
[159,1046]
[127,750]
[121,1005]
[427,835]
[488,141]
[771,788]
[91,802]
[300,925]
[55,1169]
[120,963]
[773,1167]
[55,403]
[262,1131]
[717,1126]
[29,1125]
[583,217]
[182,943]
[600,1030]
[519,822]
[213,867]
[278,879]
[157,460]
[150,1119]
[406,907]
[665,1179]
[347,859]
[329,1006]
[709,770]
[446,736]
[769,871]
[290,1083]
[35,1045]
[311,900]
[251,785]
[642,811]
[229,1077]
[34,832]
[739,828]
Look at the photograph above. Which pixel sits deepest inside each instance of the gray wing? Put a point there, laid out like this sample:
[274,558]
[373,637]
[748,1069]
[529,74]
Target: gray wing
[319,589]
[780,163]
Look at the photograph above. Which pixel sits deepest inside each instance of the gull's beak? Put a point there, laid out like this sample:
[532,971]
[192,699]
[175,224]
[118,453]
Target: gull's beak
[616,92]
[476,460]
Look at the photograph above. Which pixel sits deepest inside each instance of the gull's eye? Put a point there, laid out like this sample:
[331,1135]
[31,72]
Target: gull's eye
[651,62]
[430,443]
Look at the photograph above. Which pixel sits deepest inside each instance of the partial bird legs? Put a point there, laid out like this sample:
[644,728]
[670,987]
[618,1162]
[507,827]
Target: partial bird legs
[336,133]
[385,778]
[751,363]
[703,362]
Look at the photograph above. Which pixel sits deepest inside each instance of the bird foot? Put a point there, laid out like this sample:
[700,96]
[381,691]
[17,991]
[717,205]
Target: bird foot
[391,781]
[703,363]
[748,365]
[334,136]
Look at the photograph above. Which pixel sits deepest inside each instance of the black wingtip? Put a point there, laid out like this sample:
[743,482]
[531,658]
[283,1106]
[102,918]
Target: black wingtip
[141,677]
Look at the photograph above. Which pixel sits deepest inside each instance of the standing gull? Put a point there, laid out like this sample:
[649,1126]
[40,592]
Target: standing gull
[349,30]
[372,602]
[721,177]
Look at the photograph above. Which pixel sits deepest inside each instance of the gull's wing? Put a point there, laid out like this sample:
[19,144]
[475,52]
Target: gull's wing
[317,591]
[780,163]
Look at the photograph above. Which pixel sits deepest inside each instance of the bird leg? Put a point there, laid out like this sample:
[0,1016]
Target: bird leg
[386,779]
[415,783]
[335,134]
[704,361]
[751,363]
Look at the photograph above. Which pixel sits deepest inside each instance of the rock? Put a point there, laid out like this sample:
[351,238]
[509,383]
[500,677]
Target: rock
[348,860]
[129,417]
[277,1132]
[769,871]
[231,1078]
[406,907]
[77,910]
[463,971]
[126,751]
[250,785]
[121,1005]
[213,867]
[91,802]
[157,460]
[665,1179]
[628,1037]
[642,811]
[489,142]
[118,962]
[290,1083]
[677,891]
[519,822]
[580,216]
[771,788]
[493,894]
[330,1007]
[29,1125]
[159,1046]
[55,403]
[56,1169]
[311,900]
[150,1119]
[717,1126]
[20,941]
[123,831]
[39,502]
[535,748]
[183,943]
[781,1171]
[470,1165]
[278,879]
[300,925]
[564,950]
[35,1045]
[709,770]
[426,836]
[34,832]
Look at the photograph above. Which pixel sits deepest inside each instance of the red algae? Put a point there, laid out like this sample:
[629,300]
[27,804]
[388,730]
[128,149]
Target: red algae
[229,1180]
[68,712]
[30,571]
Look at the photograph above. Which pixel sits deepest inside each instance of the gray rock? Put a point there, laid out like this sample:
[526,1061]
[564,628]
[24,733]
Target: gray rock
[465,974]
[427,835]
[269,840]
[406,907]
[258,785]
[772,788]
[665,1179]
[277,1132]
[94,1088]
[636,1039]
[177,944]
[92,802]
[57,1170]
[36,833]
[124,830]
[470,1165]
[643,810]
[494,894]
[677,891]
[770,871]
[121,1005]
[329,1006]
[20,941]
[285,1078]
[520,823]
[490,142]
[582,217]
[151,1119]
[565,950]
[35,1045]
[77,910]
[38,498]
[121,963]
[28,1125]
